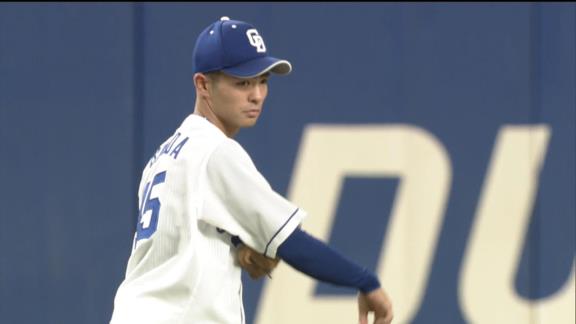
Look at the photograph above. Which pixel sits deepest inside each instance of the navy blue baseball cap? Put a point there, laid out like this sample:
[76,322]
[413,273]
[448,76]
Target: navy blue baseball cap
[235,48]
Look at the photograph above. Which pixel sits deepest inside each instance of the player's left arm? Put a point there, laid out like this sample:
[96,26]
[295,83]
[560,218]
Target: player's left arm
[320,261]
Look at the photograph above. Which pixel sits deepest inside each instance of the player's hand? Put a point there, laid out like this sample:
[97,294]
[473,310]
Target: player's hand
[255,263]
[378,302]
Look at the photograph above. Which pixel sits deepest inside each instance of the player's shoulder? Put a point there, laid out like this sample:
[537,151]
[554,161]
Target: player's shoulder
[198,124]
[229,162]
[229,149]
[220,147]
[211,136]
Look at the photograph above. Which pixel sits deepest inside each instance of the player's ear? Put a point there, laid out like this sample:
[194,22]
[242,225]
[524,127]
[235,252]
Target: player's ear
[201,85]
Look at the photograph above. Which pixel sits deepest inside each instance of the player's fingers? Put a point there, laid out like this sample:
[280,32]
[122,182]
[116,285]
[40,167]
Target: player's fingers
[389,314]
[388,318]
[253,270]
[246,257]
[363,318]
[243,254]
[264,262]
[383,318]
[362,310]
[255,264]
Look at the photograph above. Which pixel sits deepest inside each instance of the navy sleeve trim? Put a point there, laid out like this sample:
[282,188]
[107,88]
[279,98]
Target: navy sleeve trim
[279,230]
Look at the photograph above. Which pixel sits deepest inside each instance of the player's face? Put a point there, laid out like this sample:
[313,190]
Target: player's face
[237,103]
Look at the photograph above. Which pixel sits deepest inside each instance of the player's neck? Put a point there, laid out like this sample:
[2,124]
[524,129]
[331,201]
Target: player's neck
[214,120]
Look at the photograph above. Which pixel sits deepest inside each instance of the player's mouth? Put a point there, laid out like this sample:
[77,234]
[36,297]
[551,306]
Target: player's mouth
[252,113]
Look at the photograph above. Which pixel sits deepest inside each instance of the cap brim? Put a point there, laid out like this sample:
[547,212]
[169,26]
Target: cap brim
[261,65]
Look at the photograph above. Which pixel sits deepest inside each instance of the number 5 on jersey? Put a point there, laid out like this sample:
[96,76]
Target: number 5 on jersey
[149,209]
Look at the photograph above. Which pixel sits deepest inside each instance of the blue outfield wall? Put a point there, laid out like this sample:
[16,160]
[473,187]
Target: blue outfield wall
[434,143]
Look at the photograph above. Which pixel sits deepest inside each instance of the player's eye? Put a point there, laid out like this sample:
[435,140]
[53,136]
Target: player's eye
[264,81]
[243,83]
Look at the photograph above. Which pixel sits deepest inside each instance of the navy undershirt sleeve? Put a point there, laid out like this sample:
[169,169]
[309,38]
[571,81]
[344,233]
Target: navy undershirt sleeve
[318,260]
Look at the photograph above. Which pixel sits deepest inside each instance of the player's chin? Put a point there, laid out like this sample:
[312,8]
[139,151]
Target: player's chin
[249,121]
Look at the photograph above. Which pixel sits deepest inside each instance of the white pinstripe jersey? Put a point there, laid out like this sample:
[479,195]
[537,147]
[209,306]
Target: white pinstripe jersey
[200,188]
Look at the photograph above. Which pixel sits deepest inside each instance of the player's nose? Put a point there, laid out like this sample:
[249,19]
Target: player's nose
[257,94]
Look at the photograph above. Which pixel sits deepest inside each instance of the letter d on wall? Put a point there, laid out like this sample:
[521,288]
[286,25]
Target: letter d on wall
[328,154]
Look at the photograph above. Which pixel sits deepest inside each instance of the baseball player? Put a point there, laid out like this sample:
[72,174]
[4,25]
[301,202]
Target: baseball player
[206,212]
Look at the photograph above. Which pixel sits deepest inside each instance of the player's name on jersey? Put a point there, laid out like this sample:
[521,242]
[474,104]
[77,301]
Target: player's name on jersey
[170,147]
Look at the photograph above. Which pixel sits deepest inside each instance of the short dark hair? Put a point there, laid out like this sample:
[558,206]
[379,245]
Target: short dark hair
[213,75]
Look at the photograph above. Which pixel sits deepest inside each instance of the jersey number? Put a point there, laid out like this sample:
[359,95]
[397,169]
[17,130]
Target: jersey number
[149,209]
